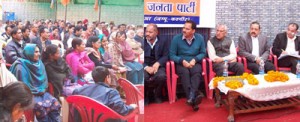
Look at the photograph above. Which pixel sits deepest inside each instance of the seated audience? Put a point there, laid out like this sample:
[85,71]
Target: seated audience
[135,73]
[31,71]
[78,60]
[57,69]
[15,98]
[15,47]
[101,92]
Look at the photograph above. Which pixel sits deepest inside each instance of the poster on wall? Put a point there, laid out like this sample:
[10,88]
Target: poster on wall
[174,13]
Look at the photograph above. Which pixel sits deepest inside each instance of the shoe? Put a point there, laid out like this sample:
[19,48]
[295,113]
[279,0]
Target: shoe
[195,107]
[158,100]
[198,100]
[190,101]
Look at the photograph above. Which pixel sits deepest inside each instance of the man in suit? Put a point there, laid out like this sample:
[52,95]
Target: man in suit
[43,40]
[187,50]
[156,56]
[221,48]
[287,43]
[255,48]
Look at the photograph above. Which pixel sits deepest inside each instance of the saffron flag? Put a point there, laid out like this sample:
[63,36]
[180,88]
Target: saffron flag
[96,5]
[65,2]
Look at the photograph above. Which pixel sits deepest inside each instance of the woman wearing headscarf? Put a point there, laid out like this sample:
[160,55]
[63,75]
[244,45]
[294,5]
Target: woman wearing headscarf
[31,71]
[135,72]
[57,69]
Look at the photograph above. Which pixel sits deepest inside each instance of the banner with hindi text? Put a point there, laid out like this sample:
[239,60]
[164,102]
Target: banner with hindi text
[174,13]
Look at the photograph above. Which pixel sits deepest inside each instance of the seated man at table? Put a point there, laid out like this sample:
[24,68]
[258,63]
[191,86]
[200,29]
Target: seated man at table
[221,48]
[255,48]
[101,92]
[287,43]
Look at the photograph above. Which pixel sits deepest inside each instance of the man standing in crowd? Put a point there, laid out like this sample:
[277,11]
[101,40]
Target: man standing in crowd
[287,43]
[14,48]
[255,47]
[187,50]
[221,48]
[156,56]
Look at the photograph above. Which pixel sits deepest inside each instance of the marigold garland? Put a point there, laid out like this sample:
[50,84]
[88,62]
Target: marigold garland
[234,84]
[273,76]
[216,80]
[249,77]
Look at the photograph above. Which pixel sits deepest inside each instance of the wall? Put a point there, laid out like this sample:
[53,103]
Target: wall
[273,15]
[34,10]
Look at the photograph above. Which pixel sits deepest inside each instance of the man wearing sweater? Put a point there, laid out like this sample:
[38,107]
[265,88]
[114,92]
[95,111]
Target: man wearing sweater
[187,51]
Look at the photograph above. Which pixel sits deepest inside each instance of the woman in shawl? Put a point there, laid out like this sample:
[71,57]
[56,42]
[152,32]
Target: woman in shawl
[79,62]
[31,71]
[92,46]
[57,69]
[135,74]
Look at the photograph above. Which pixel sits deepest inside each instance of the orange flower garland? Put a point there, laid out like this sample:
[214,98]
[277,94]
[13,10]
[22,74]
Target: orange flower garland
[273,76]
[250,78]
[234,84]
[216,80]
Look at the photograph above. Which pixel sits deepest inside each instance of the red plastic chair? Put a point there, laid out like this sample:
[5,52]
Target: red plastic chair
[29,115]
[133,95]
[169,81]
[274,59]
[50,88]
[174,77]
[91,110]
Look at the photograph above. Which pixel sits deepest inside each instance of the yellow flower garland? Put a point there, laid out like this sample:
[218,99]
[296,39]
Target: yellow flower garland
[231,84]
[273,76]
[234,84]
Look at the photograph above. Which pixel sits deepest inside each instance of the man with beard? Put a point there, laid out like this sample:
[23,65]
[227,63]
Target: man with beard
[255,48]
[187,50]
[156,56]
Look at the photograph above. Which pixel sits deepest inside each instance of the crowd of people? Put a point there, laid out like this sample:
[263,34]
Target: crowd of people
[85,54]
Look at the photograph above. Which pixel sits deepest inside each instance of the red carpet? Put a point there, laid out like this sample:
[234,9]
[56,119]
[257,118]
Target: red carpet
[180,112]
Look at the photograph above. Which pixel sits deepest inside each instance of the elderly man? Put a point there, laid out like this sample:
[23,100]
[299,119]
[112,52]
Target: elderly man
[287,43]
[187,50]
[255,48]
[156,56]
[221,48]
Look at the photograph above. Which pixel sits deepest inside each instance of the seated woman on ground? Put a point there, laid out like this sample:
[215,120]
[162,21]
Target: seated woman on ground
[31,71]
[79,62]
[15,98]
[57,69]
